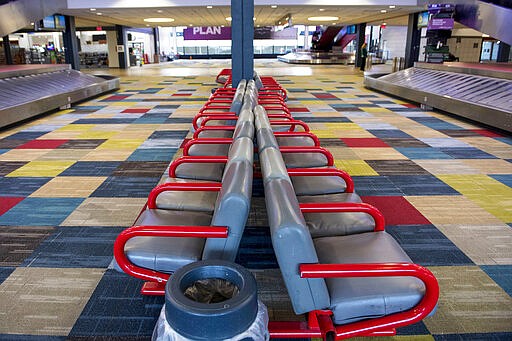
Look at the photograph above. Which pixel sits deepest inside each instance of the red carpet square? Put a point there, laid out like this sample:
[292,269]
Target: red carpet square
[42,144]
[324,96]
[116,98]
[397,210]
[6,203]
[299,109]
[135,111]
[410,105]
[487,133]
[364,142]
[174,95]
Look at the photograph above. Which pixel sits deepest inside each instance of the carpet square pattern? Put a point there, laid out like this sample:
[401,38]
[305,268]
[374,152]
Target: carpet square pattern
[72,180]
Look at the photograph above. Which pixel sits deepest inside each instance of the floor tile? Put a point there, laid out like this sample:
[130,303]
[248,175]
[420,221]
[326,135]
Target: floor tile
[75,247]
[421,185]
[106,212]
[153,154]
[396,210]
[82,144]
[18,242]
[467,153]
[106,312]
[141,169]
[48,301]
[428,246]
[376,185]
[41,169]
[40,212]
[42,144]
[126,187]
[396,167]
[6,203]
[422,153]
[378,154]
[448,166]
[20,187]
[470,302]
[501,274]
[69,187]
[364,142]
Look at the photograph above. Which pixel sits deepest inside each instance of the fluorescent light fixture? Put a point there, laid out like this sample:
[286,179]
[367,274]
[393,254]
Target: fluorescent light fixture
[392,6]
[334,23]
[190,25]
[273,6]
[323,18]
[209,7]
[32,23]
[92,9]
[384,23]
[99,13]
[322,9]
[159,11]
[159,20]
[383,11]
[229,19]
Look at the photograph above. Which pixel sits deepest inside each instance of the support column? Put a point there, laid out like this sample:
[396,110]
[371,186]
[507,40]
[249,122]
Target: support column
[121,41]
[7,50]
[503,52]
[156,40]
[71,43]
[412,44]
[242,37]
[361,29]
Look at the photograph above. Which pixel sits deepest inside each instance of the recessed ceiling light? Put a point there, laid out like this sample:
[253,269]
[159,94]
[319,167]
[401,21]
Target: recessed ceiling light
[190,25]
[228,18]
[392,6]
[159,11]
[253,18]
[147,25]
[322,18]
[32,23]
[99,13]
[322,9]
[257,25]
[209,7]
[334,23]
[384,23]
[159,20]
[92,9]
[383,11]
[221,25]
[273,6]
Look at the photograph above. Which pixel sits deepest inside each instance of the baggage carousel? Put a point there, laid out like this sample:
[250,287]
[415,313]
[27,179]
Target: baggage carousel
[479,92]
[30,90]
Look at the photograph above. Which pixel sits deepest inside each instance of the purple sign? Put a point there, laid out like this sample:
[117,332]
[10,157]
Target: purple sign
[207,33]
[440,24]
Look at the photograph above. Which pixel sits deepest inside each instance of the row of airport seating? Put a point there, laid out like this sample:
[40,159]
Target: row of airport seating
[338,263]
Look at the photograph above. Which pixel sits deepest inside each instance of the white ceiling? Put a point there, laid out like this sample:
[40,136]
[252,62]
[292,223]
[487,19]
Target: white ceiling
[265,15]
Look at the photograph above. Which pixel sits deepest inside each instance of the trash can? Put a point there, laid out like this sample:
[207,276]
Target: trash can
[212,300]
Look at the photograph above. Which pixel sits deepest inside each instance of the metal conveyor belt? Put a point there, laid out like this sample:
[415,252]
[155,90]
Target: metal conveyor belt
[483,99]
[29,95]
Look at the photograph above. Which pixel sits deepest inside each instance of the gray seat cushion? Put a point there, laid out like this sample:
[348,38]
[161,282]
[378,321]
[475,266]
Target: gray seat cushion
[354,299]
[167,254]
[336,224]
[203,171]
[209,149]
[201,201]
[304,160]
[216,134]
[292,141]
[317,185]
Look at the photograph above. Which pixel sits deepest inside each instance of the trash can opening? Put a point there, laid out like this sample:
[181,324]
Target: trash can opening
[211,290]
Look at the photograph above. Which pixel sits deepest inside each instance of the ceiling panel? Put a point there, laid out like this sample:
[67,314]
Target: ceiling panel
[265,15]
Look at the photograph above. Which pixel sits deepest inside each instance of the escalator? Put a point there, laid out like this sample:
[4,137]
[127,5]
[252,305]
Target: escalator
[327,38]
[489,17]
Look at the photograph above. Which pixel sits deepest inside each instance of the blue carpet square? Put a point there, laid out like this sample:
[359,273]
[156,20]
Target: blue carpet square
[153,154]
[26,135]
[501,274]
[125,187]
[179,120]
[169,134]
[75,247]
[435,123]
[376,185]
[152,119]
[386,133]
[256,251]
[5,272]
[20,187]
[467,153]
[428,246]
[166,106]
[421,185]
[505,179]
[91,168]
[126,120]
[507,140]
[89,107]
[425,153]
[474,337]
[116,308]
[413,329]
[40,211]
[12,337]
[3,151]
[150,91]
[325,119]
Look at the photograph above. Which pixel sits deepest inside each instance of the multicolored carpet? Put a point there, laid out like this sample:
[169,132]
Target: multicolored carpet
[70,181]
